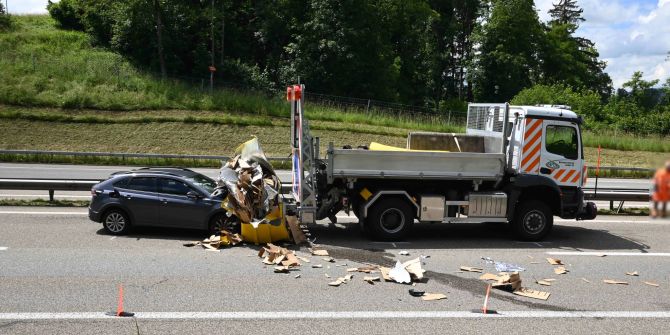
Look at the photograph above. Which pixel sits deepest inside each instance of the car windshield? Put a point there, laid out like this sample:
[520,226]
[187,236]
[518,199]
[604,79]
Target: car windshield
[204,182]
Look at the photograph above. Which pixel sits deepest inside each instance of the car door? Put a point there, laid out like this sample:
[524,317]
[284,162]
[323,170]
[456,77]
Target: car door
[177,209]
[140,197]
[561,154]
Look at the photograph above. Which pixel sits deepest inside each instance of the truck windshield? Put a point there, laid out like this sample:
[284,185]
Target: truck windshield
[562,140]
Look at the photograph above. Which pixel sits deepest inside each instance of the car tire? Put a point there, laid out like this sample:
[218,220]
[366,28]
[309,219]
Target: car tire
[116,222]
[221,220]
[389,219]
[533,220]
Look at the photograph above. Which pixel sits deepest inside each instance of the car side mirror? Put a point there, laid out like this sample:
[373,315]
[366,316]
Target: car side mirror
[193,195]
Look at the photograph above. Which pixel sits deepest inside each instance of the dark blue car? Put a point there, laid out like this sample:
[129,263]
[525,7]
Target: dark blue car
[160,197]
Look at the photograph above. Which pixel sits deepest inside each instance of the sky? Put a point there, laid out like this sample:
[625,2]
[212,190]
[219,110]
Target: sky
[630,35]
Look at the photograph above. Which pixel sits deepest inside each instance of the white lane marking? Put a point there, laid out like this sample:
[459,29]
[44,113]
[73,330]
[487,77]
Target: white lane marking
[44,213]
[623,220]
[3,248]
[44,196]
[344,315]
[599,253]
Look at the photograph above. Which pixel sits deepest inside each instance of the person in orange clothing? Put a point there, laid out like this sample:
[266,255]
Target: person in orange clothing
[661,193]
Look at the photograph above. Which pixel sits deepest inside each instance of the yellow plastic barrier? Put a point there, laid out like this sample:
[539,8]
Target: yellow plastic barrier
[271,230]
[383,147]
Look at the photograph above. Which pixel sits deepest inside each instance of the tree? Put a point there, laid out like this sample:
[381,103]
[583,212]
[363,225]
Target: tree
[508,52]
[569,59]
[5,20]
[641,91]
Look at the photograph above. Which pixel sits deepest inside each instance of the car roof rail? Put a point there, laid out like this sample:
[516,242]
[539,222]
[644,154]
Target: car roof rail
[165,168]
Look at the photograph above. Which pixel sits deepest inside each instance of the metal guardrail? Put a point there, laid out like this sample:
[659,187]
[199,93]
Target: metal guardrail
[613,194]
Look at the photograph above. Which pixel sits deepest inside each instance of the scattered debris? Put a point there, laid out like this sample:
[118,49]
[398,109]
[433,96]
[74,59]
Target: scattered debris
[216,242]
[304,259]
[341,280]
[364,269]
[317,266]
[651,283]
[416,293]
[399,274]
[281,269]
[549,279]
[329,259]
[560,270]
[414,268]
[555,261]
[634,273]
[489,276]
[471,269]
[385,273]
[297,276]
[601,255]
[404,253]
[586,280]
[327,275]
[530,293]
[508,282]
[543,282]
[433,296]
[507,267]
[371,280]
[319,252]
[615,282]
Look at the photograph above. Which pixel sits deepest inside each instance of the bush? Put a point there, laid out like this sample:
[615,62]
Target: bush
[67,13]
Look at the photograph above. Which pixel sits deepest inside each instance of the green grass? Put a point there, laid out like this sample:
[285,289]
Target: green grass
[626,142]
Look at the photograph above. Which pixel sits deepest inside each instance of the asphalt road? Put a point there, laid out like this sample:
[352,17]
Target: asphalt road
[56,262]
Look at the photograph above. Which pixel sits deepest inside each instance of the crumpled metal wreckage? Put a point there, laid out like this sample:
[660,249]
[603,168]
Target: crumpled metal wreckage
[251,189]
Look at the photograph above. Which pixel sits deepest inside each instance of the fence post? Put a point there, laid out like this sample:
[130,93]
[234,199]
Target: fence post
[367,109]
[449,118]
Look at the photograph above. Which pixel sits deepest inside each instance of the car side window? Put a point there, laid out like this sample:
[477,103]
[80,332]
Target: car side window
[562,140]
[172,186]
[146,184]
[121,183]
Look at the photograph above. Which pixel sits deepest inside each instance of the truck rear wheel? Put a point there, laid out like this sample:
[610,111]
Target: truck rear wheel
[533,220]
[390,219]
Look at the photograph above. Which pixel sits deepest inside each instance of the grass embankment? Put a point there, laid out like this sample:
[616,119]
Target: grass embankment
[59,92]
[44,203]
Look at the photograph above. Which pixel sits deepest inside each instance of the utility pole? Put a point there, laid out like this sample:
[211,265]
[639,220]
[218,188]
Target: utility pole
[211,72]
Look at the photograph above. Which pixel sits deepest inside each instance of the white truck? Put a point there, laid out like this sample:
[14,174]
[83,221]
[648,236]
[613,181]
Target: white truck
[520,165]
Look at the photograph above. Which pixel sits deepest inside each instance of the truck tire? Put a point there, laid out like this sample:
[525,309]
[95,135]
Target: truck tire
[533,220]
[390,219]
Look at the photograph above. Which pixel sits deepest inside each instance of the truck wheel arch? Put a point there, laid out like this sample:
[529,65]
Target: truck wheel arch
[388,193]
[534,187]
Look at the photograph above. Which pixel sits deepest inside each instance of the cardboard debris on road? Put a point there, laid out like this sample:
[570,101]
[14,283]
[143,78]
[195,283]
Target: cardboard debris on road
[433,296]
[329,259]
[651,283]
[489,276]
[530,293]
[341,280]
[216,242]
[543,282]
[317,266]
[399,274]
[555,261]
[471,269]
[508,282]
[634,273]
[319,252]
[385,273]
[560,270]
[615,282]
[586,280]
[414,268]
[404,253]
[364,269]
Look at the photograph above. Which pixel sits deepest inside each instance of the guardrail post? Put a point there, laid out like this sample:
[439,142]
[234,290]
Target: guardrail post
[51,195]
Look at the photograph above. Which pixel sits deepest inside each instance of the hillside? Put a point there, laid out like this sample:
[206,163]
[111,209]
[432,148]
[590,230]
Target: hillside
[59,92]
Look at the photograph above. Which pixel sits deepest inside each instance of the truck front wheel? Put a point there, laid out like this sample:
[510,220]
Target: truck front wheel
[390,219]
[533,220]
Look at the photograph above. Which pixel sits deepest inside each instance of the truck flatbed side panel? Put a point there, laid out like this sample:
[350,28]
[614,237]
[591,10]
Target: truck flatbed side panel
[357,163]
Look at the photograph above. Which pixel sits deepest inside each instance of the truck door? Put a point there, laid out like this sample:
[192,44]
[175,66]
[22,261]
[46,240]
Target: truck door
[560,153]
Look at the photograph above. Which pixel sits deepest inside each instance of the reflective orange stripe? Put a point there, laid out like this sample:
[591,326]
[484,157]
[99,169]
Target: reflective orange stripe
[533,164]
[567,176]
[585,174]
[531,142]
[576,178]
[559,173]
[530,155]
[532,127]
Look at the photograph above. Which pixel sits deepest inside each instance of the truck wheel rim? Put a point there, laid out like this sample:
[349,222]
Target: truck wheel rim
[534,222]
[392,220]
[115,222]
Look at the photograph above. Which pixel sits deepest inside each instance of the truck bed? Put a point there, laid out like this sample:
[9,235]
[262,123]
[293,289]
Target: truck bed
[360,163]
